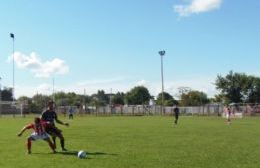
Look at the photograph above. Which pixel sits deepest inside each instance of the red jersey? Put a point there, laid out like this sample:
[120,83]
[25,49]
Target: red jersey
[38,128]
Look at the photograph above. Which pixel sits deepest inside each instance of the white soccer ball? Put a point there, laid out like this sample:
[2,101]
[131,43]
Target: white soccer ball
[82,154]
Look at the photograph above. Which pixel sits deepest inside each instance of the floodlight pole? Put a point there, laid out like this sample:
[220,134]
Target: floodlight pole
[12,36]
[53,96]
[0,98]
[110,100]
[162,53]
[85,100]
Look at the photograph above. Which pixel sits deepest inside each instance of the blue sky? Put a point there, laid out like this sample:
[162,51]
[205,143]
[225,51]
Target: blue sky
[114,44]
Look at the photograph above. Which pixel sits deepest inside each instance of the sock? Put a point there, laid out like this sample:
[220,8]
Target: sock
[29,144]
[62,143]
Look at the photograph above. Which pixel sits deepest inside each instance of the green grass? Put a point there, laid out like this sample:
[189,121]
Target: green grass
[122,142]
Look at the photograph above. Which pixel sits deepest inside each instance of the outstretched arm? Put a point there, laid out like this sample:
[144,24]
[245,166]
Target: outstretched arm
[60,122]
[22,131]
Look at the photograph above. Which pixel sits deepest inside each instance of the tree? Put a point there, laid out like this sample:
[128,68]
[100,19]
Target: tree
[219,98]
[41,100]
[7,94]
[138,95]
[232,86]
[61,99]
[99,99]
[168,100]
[32,105]
[238,87]
[118,98]
[102,97]
[253,92]
[194,98]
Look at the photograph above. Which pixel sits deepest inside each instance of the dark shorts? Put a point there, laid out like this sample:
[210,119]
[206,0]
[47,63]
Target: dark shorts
[54,131]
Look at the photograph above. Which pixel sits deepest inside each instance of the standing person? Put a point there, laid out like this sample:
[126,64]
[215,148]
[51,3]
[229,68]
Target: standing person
[176,114]
[51,116]
[228,113]
[39,133]
[71,111]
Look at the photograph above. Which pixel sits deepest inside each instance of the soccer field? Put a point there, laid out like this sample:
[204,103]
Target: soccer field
[121,142]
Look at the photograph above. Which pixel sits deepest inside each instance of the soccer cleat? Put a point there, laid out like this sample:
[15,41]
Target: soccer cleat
[64,149]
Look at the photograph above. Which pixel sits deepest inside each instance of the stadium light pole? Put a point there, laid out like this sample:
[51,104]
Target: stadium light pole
[53,96]
[85,100]
[12,36]
[0,98]
[162,53]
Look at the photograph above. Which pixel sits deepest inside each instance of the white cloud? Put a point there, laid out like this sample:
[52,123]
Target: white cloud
[197,6]
[38,67]
[27,90]
[142,83]
[45,87]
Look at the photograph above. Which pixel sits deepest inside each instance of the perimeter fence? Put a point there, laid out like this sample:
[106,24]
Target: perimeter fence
[9,108]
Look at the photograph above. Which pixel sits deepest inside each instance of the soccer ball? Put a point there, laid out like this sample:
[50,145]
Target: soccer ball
[82,154]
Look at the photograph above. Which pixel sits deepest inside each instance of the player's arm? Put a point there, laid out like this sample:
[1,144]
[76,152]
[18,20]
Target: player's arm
[60,122]
[43,116]
[23,130]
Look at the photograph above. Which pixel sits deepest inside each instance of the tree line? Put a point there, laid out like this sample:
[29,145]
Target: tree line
[233,88]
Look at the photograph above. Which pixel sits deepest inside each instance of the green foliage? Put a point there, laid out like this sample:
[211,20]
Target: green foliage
[138,95]
[118,98]
[7,94]
[194,98]
[231,86]
[238,87]
[41,101]
[168,99]
[99,99]
[253,92]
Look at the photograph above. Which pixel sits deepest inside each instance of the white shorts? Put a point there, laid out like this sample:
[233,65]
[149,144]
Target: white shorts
[228,116]
[34,136]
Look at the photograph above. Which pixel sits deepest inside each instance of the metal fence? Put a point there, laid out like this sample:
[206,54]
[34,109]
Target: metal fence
[137,110]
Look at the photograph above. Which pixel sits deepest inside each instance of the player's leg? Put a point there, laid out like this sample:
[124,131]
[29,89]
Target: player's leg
[58,133]
[47,139]
[32,137]
[176,119]
[62,142]
[229,121]
[51,132]
[29,145]
[53,137]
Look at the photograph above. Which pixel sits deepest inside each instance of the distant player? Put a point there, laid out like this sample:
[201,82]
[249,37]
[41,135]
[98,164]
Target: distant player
[39,133]
[176,114]
[71,111]
[228,115]
[51,116]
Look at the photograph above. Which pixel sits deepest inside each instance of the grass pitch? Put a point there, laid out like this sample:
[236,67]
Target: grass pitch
[138,142]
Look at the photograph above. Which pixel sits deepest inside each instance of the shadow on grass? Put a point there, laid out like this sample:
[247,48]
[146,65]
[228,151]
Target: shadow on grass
[75,153]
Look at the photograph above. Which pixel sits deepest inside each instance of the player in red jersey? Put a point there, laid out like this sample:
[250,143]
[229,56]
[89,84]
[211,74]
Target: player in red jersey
[39,133]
